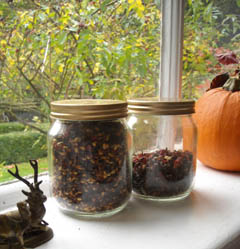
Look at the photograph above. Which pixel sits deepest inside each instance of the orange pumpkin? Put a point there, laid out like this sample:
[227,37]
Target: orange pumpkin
[218,121]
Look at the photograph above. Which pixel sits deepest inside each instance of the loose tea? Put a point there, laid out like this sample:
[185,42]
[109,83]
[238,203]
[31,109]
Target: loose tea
[91,171]
[162,173]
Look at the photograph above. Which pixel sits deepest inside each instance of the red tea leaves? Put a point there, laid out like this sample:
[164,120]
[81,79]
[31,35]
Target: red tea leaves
[91,170]
[162,173]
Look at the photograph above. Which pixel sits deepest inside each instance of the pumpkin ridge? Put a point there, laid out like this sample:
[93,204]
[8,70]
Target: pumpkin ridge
[235,122]
[216,90]
[221,123]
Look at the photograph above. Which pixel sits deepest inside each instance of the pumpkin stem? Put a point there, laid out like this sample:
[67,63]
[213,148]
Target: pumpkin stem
[232,84]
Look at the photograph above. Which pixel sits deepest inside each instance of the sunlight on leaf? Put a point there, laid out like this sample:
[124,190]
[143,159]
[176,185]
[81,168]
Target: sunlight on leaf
[60,68]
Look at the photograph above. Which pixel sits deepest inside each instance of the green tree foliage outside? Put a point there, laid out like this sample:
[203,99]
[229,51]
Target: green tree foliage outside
[205,30]
[102,49]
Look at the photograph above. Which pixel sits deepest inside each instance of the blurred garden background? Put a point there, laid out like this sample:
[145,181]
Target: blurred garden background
[52,50]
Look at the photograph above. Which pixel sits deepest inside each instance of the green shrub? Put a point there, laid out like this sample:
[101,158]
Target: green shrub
[43,126]
[10,127]
[18,147]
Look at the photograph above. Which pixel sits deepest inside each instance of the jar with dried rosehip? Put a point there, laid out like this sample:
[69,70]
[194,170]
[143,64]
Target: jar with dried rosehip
[164,148]
[89,155]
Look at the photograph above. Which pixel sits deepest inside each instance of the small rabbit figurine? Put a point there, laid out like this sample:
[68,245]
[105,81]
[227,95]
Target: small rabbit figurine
[27,221]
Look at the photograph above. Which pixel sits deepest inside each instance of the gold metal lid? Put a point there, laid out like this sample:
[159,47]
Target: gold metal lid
[161,107]
[88,109]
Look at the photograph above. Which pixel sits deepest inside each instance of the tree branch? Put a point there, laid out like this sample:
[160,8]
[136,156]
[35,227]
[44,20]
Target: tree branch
[68,85]
[36,72]
[111,3]
[33,87]
[10,81]
[89,67]
[75,40]
[4,56]
[28,124]
[28,58]
[44,74]
[63,76]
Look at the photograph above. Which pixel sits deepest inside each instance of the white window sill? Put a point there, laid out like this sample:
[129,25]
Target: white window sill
[208,219]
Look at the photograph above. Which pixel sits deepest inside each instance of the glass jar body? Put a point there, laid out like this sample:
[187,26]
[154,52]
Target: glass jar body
[164,155]
[89,166]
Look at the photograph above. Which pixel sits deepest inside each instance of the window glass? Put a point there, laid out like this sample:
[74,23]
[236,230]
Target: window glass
[95,49]
[211,28]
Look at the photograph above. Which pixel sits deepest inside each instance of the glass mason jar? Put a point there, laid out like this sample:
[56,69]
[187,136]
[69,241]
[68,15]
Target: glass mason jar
[164,148]
[89,156]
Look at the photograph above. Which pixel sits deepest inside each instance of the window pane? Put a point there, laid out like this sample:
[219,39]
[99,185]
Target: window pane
[70,49]
[211,27]
[96,49]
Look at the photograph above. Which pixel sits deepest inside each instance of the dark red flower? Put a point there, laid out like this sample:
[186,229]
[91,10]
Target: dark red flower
[227,58]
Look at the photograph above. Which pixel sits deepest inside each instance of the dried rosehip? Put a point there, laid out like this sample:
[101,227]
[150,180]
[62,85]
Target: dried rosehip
[162,173]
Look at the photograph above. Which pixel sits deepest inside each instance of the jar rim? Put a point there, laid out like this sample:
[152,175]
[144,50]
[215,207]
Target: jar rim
[161,106]
[88,109]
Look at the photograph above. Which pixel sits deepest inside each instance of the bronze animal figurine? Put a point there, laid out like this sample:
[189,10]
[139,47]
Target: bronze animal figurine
[26,224]
[12,227]
[35,198]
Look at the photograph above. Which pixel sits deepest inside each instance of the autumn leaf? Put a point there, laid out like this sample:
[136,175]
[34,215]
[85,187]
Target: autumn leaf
[219,80]
[227,58]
